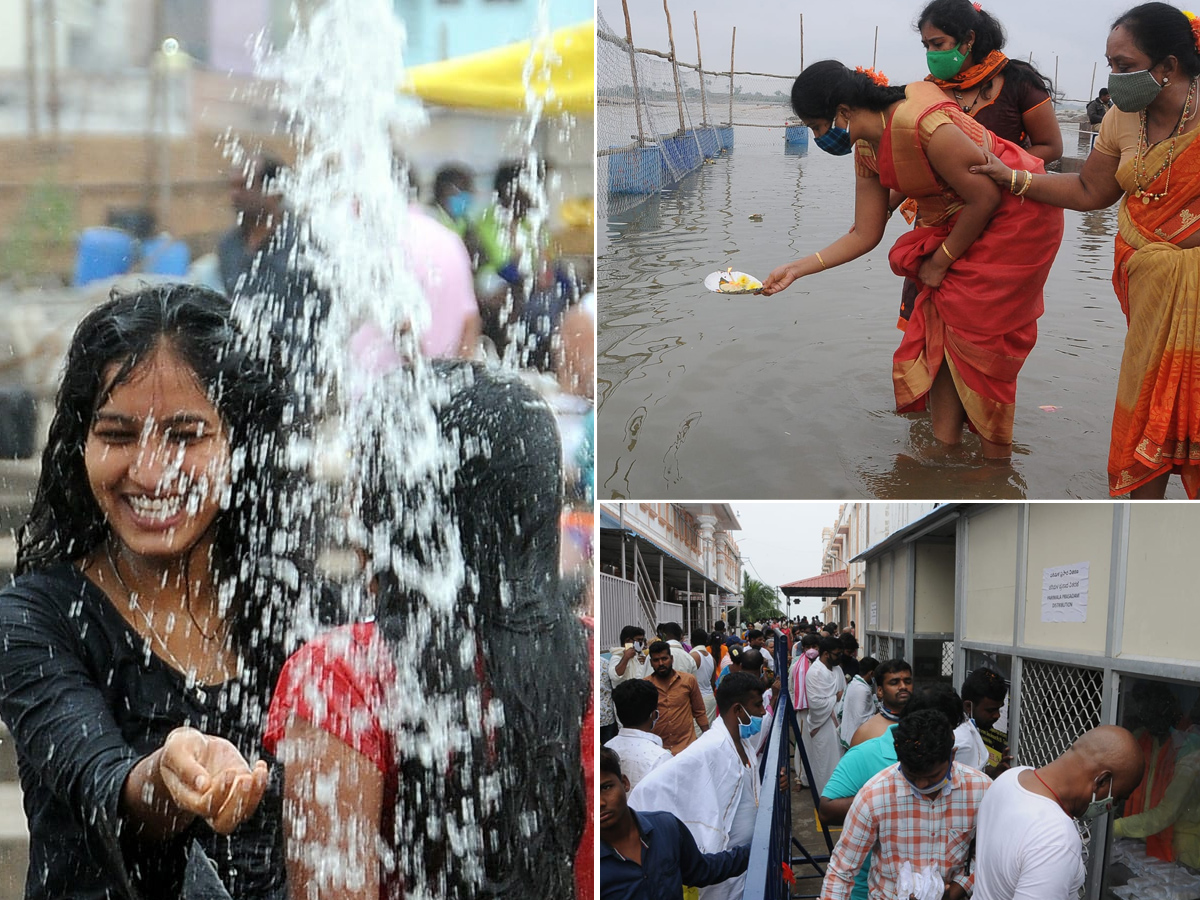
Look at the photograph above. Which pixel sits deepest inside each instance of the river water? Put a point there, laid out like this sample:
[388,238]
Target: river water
[749,397]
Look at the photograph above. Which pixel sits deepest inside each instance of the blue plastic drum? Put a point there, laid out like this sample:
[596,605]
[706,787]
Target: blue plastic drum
[102,253]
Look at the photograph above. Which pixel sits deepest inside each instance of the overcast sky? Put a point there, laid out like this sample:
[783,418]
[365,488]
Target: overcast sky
[781,542]
[768,34]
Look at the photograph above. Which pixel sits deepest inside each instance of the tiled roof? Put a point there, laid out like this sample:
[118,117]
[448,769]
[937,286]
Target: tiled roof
[830,584]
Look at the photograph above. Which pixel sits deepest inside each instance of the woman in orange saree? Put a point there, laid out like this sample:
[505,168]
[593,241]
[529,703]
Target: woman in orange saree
[1148,156]
[979,258]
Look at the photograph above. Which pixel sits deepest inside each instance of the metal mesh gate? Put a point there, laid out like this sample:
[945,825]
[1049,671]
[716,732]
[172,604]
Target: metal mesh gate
[1058,704]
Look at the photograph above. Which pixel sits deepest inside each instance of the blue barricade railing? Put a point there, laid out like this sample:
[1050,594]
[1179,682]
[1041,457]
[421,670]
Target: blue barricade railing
[773,843]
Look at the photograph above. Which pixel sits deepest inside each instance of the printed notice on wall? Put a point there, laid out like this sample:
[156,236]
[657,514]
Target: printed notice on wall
[874,613]
[1065,593]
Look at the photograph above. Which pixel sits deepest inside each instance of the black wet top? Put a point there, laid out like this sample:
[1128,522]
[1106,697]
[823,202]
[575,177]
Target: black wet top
[85,698]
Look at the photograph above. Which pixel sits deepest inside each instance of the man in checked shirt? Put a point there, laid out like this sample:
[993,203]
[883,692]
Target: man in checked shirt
[921,810]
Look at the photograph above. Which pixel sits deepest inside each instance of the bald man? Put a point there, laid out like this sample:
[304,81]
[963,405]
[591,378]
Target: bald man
[1028,844]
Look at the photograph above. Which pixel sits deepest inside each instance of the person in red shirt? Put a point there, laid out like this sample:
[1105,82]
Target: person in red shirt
[427,752]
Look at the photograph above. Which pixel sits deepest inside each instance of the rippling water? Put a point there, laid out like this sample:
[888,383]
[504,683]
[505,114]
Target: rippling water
[704,396]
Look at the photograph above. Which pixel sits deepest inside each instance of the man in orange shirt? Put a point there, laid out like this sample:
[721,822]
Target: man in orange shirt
[679,700]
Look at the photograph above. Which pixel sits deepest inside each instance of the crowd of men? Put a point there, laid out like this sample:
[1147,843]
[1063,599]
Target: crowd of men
[918,777]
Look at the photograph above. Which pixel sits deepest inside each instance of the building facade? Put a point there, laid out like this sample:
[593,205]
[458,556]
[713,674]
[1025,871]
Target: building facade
[664,562]
[1087,610]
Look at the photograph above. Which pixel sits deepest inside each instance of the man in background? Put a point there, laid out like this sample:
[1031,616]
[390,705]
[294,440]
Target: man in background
[679,701]
[640,749]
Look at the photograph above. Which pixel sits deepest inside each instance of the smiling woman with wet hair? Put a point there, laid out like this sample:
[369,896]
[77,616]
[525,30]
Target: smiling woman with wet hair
[139,640]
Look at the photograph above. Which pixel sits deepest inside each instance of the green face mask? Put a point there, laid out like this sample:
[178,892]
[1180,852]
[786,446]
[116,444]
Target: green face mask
[944,64]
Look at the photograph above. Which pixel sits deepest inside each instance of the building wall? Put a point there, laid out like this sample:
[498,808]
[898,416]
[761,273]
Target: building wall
[1161,618]
[933,607]
[1061,535]
[991,575]
[676,530]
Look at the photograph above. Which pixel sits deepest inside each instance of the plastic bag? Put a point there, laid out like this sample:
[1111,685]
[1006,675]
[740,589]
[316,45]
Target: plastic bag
[922,884]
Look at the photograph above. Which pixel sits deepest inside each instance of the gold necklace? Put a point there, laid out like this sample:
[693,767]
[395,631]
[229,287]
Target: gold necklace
[188,672]
[1139,159]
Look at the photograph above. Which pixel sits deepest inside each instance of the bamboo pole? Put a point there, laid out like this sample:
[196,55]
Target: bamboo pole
[637,99]
[801,42]
[700,72]
[1092,86]
[732,45]
[875,52]
[1056,77]
[31,80]
[53,99]
[675,69]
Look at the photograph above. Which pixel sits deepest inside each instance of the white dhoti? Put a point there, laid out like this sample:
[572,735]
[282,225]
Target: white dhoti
[821,734]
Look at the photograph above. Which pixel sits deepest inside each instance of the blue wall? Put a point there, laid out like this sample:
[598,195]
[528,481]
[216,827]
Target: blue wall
[442,29]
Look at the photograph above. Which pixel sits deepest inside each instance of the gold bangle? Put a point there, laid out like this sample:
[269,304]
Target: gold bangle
[953,258]
[821,261]
[1012,182]
[1028,182]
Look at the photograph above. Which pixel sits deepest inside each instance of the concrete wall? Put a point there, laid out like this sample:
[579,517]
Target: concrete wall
[991,575]
[933,609]
[1062,534]
[1161,618]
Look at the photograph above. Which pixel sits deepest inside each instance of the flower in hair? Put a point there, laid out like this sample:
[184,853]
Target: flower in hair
[878,77]
[1194,21]
[978,7]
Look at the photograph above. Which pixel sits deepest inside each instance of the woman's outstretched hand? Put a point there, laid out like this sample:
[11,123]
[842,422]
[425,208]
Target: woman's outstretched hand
[995,170]
[779,279]
[208,777]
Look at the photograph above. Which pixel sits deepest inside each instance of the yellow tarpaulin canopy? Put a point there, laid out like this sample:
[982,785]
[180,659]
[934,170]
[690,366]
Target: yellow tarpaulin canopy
[493,79]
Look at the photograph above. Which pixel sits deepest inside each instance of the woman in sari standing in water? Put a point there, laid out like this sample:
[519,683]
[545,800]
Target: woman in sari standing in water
[981,256]
[1147,156]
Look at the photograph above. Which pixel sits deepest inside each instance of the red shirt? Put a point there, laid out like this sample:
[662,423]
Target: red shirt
[335,682]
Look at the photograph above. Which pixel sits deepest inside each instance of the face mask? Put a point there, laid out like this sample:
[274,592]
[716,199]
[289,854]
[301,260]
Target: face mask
[654,720]
[1132,91]
[1097,808]
[812,654]
[458,205]
[945,64]
[933,789]
[836,141]
[749,731]
[638,645]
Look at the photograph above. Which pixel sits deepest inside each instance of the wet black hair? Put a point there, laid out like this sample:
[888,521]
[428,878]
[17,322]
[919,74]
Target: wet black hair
[610,762]
[1103,92]
[983,683]
[923,740]
[512,791]
[65,523]
[635,701]
[735,688]
[809,640]
[939,696]
[958,18]
[820,89]
[1160,30]
[754,634]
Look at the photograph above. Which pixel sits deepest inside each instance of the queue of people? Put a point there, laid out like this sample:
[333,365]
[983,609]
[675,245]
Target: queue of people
[964,154]
[927,799]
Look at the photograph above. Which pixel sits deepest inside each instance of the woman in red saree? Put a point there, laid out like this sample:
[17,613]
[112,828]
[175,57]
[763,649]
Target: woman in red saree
[979,257]
[1147,156]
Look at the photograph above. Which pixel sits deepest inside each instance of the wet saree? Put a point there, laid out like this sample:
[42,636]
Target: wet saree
[1156,423]
[982,320]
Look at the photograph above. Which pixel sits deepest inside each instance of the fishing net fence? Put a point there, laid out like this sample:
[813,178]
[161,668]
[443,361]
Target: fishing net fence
[657,119]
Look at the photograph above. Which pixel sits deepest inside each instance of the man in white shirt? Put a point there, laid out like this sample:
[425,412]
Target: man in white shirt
[640,749]
[672,633]
[808,651]
[983,694]
[712,786]
[859,704]
[1028,846]
[631,660]
[821,685]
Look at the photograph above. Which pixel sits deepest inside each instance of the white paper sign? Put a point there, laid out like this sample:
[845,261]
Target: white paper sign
[874,620]
[1065,593]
